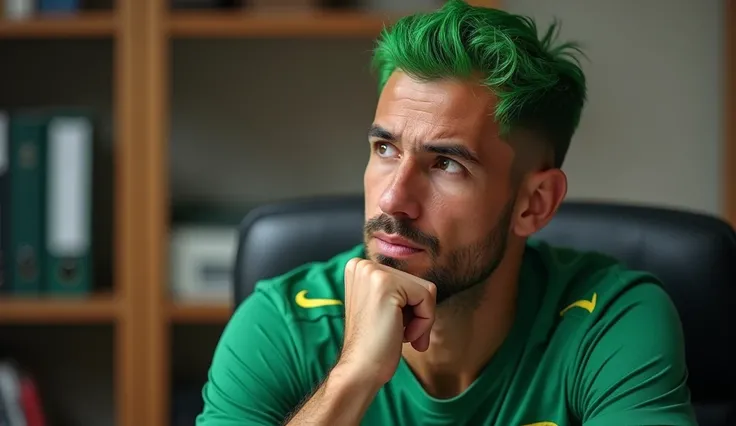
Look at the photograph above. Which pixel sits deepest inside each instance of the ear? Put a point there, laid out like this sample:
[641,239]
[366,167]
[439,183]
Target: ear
[539,197]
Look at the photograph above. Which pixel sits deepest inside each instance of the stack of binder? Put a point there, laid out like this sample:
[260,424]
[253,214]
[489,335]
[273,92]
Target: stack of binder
[46,202]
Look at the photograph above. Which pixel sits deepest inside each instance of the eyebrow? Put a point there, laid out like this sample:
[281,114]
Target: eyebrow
[380,133]
[452,150]
[447,149]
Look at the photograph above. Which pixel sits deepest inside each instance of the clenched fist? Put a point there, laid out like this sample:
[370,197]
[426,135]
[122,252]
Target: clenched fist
[384,308]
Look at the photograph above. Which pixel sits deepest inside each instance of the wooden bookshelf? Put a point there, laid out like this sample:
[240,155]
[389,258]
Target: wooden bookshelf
[729,163]
[99,308]
[83,25]
[204,313]
[249,24]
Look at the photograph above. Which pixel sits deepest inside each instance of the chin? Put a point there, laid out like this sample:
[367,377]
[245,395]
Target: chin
[413,269]
[415,265]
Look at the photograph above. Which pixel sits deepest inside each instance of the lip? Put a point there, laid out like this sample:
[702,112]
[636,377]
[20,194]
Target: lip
[396,240]
[395,247]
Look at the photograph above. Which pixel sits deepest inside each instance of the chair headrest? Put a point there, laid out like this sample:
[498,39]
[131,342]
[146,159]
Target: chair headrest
[692,253]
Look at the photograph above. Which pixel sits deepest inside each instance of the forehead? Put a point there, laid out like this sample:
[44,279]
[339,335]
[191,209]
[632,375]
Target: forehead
[411,108]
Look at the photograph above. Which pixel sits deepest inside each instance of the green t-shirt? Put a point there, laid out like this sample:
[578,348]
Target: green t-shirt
[593,344]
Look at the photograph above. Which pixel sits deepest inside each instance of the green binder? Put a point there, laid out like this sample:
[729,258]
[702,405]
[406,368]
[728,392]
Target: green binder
[68,242]
[27,167]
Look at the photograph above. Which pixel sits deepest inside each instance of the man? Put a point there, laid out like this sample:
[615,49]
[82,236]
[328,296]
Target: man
[449,314]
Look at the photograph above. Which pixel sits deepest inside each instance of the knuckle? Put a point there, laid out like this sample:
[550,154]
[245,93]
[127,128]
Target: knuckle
[378,278]
[352,264]
[361,265]
[377,275]
[432,289]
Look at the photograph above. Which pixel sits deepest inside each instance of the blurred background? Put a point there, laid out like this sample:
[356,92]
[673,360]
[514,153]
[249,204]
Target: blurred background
[136,134]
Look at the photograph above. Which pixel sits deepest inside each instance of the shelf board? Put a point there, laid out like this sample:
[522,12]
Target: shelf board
[262,24]
[199,313]
[101,308]
[81,25]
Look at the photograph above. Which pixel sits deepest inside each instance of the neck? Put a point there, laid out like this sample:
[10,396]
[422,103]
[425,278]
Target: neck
[467,332]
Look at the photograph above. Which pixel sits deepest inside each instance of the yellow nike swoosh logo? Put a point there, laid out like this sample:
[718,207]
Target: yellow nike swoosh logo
[588,305]
[542,424]
[303,302]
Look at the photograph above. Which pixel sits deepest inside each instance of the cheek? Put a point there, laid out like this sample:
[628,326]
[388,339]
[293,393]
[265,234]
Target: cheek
[372,190]
[460,221]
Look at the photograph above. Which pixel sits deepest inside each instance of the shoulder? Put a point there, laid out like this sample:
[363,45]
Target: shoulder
[589,295]
[594,304]
[311,291]
[583,287]
[618,334]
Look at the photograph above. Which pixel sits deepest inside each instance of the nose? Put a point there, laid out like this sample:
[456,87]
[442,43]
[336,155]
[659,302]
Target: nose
[401,198]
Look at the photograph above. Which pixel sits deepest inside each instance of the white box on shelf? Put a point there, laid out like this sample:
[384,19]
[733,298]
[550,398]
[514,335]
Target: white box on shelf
[202,262]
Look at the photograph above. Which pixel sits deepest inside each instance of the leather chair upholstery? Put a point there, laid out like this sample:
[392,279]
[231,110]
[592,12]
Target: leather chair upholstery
[692,253]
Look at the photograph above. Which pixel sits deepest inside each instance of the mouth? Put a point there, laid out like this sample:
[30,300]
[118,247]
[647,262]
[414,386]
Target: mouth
[395,246]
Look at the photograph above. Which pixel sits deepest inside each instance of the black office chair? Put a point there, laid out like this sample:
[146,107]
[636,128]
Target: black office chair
[692,253]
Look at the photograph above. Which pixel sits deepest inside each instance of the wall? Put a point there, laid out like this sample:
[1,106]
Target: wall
[651,132]
[257,120]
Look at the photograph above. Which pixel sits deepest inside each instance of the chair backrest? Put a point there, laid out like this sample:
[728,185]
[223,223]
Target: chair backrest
[692,253]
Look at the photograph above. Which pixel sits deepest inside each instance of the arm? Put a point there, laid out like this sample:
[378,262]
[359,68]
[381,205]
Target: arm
[254,377]
[631,367]
[341,400]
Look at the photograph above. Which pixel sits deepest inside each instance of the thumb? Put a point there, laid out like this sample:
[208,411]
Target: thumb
[422,343]
[417,332]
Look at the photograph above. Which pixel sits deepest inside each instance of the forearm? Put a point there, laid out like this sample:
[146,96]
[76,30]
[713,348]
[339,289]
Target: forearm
[343,399]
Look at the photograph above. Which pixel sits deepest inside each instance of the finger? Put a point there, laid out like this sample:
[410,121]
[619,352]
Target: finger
[351,265]
[350,277]
[364,270]
[421,301]
[422,343]
[424,283]
[417,328]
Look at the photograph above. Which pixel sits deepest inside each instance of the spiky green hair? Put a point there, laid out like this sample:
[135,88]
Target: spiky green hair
[539,86]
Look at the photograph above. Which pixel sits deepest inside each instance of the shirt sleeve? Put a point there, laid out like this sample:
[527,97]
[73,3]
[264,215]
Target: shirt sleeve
[254,376]
[631,366]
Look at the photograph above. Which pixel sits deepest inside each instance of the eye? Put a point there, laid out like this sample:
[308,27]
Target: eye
[449,166]
[386,150]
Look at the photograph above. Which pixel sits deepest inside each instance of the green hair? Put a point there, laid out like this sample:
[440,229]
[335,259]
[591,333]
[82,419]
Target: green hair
[539,86]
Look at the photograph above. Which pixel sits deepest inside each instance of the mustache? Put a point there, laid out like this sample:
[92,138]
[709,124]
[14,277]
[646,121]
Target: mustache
[391,225]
